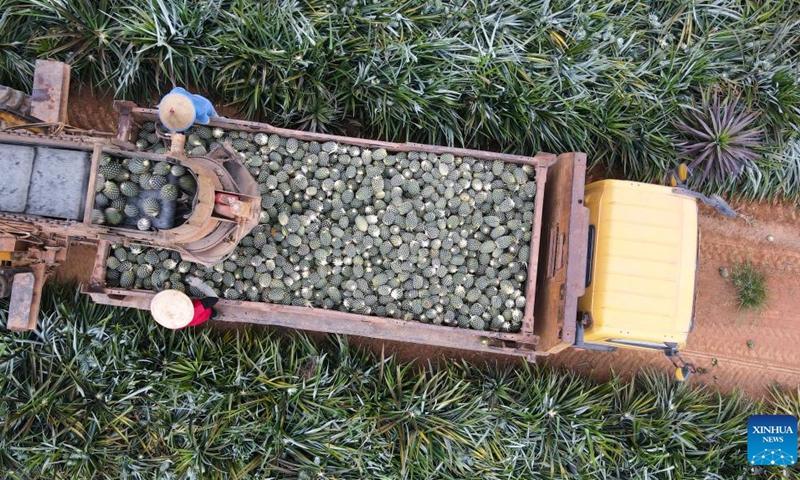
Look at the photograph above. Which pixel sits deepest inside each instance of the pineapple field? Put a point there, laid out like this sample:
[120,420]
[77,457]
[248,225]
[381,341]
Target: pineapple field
[103,392]
[441,239]
[629,83]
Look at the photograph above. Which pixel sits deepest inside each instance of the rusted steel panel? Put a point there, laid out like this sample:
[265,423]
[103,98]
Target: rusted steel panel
[562,259]
[50,91]
[8,243]
[21,304]
[15,101]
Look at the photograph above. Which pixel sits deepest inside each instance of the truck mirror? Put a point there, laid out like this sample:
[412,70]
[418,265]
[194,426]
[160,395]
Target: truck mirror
[683,373]
[683,370]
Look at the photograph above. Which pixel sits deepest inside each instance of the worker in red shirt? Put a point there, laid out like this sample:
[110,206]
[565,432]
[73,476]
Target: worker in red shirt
[173,309]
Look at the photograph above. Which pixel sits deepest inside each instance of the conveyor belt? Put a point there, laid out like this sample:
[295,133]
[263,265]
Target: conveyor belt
[50,182]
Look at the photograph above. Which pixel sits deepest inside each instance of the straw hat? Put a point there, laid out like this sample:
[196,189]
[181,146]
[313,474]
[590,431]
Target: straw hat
[172,309]
[176,111]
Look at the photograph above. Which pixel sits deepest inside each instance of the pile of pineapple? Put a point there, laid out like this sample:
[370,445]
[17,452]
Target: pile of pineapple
[121,185]
[439,239]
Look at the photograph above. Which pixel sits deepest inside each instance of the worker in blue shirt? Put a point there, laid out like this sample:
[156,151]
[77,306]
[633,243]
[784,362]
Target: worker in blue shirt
[179,110]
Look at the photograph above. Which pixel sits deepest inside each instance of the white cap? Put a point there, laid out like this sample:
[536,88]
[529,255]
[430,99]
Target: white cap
[172,309]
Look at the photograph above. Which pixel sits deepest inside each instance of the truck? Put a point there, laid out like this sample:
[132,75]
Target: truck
[612,264]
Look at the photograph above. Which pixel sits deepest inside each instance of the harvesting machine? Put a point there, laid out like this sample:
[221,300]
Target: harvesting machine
[611,265]
[49,186]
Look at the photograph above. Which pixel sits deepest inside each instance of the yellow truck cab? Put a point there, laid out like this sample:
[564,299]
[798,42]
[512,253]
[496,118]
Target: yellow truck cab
[641,266]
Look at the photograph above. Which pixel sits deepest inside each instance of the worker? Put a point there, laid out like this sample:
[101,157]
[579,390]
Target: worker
[179,110]
[175,310]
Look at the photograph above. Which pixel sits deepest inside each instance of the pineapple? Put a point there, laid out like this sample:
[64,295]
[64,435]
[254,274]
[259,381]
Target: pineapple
[203,132]
[157,181]
[113,216]
[118,204]
[144,271]
[138,165]
[131,210]
[169,192]
[111,190]
[151,257]
[261,139]
[98,217]
[198,151]
[273,142]
[127,279]
[111,170]
[292,145]
[195,140]
[187,184]
[161,168]
[101,201]
[178,170]
[129,189]
[144,180]
[99,183]
[151,207]
[240,144]
[144,224]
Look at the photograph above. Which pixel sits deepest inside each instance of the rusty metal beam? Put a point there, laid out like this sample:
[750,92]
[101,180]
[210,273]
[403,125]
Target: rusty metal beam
[21,306]
[50,91]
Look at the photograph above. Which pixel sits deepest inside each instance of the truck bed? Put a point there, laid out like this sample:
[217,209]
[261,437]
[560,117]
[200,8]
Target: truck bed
[551,294]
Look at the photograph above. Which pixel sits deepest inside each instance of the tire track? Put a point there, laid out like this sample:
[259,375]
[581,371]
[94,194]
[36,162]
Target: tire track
[738,361]
[782,260]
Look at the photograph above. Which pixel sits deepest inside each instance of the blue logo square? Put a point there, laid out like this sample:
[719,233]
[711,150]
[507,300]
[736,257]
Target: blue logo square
[772,440]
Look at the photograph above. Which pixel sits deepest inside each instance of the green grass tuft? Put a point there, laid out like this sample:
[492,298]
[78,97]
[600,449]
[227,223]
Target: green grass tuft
[751,286]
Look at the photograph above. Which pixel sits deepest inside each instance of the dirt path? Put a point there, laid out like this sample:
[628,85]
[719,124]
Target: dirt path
[719,342]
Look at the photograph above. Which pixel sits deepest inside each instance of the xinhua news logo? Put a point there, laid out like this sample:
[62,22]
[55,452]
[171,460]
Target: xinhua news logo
[772,440]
